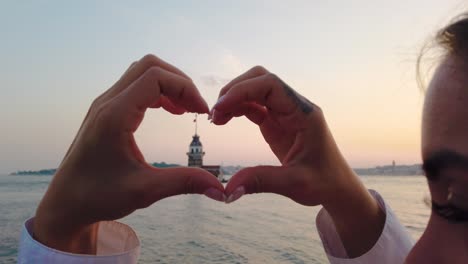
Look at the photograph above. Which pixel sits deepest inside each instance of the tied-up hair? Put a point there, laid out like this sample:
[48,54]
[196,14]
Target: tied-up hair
[451,40]
[454,37]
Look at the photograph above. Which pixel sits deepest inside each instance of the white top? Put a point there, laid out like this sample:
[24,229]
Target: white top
[118,243]
[392,247]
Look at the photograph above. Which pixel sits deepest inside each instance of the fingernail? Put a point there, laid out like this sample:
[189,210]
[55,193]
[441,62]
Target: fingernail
[215,194]
[220,100]
[236,194]
[213,116]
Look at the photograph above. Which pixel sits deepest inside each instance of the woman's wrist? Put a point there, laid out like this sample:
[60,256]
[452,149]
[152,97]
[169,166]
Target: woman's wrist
[356,215]
[57,229]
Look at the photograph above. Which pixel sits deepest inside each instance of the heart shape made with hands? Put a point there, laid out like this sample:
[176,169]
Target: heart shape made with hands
[105,159]
[104,175]
[292,126]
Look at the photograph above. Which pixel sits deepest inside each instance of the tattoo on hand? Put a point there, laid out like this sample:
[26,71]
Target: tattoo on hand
[305,105]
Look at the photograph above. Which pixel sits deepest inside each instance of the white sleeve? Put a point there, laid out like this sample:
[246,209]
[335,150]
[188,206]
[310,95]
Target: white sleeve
[116,243]
[392,247]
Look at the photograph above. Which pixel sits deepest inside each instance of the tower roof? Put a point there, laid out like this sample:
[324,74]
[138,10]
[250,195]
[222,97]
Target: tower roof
[196,141]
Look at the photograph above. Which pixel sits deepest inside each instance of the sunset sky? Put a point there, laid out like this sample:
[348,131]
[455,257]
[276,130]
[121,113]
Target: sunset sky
[356,59]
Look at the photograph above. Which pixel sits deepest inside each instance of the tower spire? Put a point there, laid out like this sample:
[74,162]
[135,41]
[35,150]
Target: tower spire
[196,123]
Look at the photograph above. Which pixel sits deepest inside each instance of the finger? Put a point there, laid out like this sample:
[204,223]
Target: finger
[260,179]
[162,183]
[156,82]
[147,90]
[254,112]
[137,69]
[169,106]
[252,73]
[129,67]
[267,90]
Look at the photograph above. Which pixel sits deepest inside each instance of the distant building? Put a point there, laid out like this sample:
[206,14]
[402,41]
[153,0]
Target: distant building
[393,169]
[196,153]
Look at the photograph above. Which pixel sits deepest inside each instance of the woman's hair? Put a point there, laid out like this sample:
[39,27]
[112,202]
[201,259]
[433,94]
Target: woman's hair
[454,37]
[452,40]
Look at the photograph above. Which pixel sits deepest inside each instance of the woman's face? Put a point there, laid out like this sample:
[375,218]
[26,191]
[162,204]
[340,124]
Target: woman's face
[445,156]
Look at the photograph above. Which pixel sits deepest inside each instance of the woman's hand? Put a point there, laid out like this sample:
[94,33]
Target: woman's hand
[104,176]
[295,129]
[312,170]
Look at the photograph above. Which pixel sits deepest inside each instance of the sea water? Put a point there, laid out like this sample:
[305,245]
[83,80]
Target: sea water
[260,228]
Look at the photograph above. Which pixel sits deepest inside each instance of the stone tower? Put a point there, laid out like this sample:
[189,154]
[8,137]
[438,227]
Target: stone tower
[195,153]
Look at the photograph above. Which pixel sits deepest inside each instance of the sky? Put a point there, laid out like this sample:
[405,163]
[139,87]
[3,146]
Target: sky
[355,59]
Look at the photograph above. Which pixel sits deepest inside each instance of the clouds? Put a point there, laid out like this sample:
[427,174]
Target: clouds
[226,67]
[213,80]
[232,63]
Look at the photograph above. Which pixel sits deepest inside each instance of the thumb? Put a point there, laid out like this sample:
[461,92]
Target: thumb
[260,179]
[163,183]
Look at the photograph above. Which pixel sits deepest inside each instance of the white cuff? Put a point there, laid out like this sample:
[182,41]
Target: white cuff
[392,246]
[116,243]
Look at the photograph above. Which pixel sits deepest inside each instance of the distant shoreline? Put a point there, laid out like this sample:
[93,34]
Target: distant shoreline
[387,170]
[392,170]
[49,172]
[43,172]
